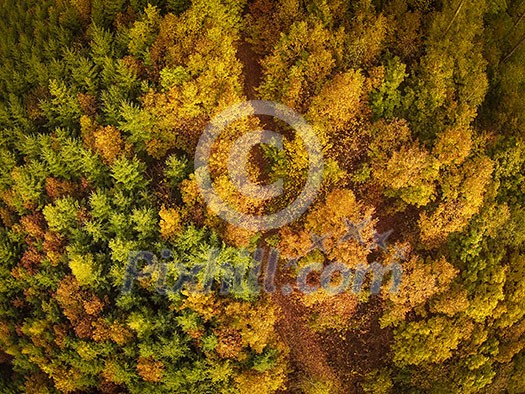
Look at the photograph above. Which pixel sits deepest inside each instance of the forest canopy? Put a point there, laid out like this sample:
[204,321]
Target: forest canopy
[418,109]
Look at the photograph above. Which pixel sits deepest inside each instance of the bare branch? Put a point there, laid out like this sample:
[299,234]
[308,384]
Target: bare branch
[507,57]
[455,16]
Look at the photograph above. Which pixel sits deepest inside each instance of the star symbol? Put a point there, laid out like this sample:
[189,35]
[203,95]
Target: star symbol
[292,262]
[317,242]
[353,231]
[380,238]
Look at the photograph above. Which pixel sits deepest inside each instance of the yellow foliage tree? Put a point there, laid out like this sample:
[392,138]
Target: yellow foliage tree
[150,370]
[463,193]
[170,222]
[453,145]
[421,281]
[108,143]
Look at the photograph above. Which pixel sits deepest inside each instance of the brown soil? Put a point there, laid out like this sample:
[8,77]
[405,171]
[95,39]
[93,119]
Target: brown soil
[307,356]
[360,350]
[251,68]
[341,357]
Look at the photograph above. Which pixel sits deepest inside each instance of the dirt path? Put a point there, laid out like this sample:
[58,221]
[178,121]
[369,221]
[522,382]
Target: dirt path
[251,69]
[340,357]
[360,350]
[307,356]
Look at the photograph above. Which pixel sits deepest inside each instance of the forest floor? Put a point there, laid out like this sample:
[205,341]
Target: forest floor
[343,358]
[252,70]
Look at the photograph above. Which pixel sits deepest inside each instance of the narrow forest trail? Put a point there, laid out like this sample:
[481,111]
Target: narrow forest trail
[251,68]
[343,358]
[307,356]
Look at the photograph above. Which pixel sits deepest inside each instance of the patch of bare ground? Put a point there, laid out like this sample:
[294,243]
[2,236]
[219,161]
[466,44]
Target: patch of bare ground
[307,356]
[359,350]
[343,357]
[251,68]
